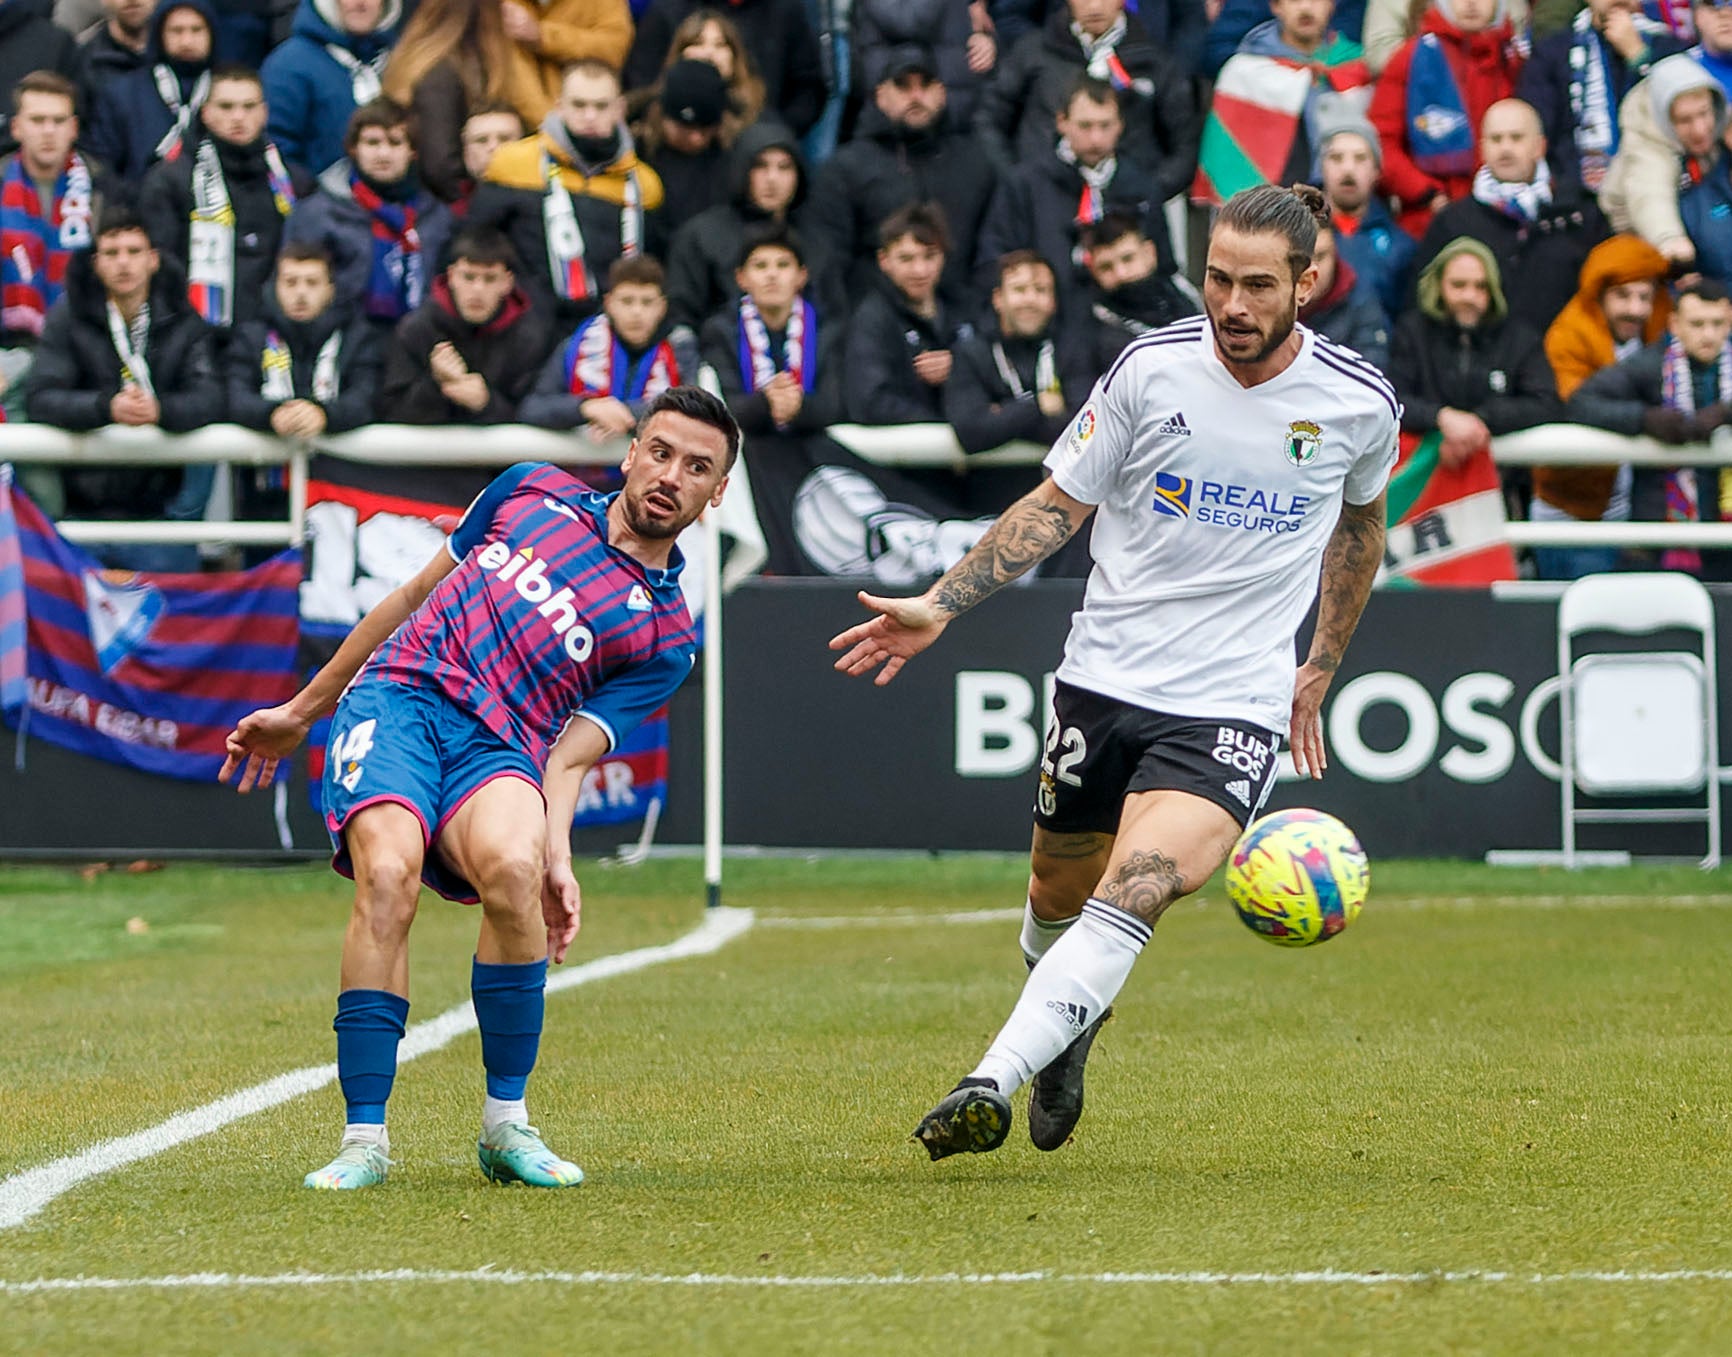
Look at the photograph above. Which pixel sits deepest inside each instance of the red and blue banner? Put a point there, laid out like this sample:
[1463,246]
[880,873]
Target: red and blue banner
[150,671]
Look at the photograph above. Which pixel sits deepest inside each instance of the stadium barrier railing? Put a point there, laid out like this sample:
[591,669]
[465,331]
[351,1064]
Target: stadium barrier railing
[923,446]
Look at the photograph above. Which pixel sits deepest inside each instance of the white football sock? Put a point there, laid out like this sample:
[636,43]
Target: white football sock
[1073,984]
[503,1111]
[366,1133]
[1039,934]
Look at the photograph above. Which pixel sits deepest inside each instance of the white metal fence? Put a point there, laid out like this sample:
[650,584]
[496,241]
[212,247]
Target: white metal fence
[911,445]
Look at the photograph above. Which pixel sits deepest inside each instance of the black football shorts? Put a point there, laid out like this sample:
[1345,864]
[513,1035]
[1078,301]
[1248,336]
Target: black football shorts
[1098,749]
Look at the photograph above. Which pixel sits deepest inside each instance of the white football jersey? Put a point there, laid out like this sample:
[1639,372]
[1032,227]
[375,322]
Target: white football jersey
[1214,504]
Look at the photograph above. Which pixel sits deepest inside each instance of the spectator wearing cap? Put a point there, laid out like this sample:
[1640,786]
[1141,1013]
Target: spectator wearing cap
[331,64]
[906,149]
[679,137]
[1020,104]
[1539,226]
[767,184]
[1576,79]
[142,116]
[709,35]
[777,34]
[945,31]
[1349,163]
[1041,205]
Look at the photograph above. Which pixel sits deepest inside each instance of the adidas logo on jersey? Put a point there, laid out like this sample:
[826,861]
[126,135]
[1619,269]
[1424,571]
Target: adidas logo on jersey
[1241,789]
[639,600]
[1175,424]
[528,577]
[1077,1015]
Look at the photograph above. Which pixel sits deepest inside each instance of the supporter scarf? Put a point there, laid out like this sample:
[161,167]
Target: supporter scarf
[597,364]
[396,280]
[181,110]
[1102,57]
[1678,392]
[277,369]
[1524,202]
[1439,131]
[129,344]
[799,346]
[365,77]
[1592,113]
[573,279]
[1045,370]
[35,250]
[211,238]
[1091,206]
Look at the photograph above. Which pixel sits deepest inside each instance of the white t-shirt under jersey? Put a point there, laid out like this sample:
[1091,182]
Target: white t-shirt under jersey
[1215,502]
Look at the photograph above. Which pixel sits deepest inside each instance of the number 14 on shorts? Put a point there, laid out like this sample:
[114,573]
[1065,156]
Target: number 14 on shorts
[347,752]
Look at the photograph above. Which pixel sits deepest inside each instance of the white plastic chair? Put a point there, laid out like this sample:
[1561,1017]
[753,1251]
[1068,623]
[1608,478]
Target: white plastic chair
[1644,723]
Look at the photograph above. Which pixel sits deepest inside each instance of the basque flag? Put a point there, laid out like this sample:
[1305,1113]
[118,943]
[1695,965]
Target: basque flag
[150,671]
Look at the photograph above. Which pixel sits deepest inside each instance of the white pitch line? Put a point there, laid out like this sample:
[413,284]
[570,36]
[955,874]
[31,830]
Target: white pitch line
[233,1281]
[24,1194]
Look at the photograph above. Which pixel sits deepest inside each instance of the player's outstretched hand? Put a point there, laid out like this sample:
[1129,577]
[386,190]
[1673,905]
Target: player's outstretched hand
[258,744]
[561,907]
[1309,759]
[903,628]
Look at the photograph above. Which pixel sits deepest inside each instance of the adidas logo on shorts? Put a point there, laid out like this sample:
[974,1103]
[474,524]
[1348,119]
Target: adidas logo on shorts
[1241,789]
[1175,424]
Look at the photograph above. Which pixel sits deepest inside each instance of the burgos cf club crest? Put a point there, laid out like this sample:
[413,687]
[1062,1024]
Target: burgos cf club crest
[1304,441]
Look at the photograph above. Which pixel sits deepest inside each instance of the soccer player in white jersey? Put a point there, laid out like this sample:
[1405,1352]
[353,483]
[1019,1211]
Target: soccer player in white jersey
[1225,459]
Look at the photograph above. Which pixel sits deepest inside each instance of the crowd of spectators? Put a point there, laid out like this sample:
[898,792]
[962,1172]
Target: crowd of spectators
[307,217]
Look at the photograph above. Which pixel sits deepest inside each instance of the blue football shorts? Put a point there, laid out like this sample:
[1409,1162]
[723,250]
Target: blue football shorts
[415,748]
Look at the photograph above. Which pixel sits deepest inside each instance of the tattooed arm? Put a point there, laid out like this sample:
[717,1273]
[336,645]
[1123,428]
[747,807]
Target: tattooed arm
[1024,535]
[1350,564]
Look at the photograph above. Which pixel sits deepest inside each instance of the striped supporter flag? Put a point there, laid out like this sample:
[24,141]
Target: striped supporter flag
[150,671]
[12,656]
[1447,526]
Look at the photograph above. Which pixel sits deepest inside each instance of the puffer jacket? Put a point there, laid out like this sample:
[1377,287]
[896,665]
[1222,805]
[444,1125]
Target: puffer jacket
[1641,189]
[129,118]
[309,92]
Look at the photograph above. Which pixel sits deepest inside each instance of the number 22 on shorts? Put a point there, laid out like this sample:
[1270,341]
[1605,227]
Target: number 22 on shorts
[1054,771]
[348,750]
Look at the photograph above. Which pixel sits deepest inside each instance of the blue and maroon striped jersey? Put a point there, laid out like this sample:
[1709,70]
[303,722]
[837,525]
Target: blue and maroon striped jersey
[542,619]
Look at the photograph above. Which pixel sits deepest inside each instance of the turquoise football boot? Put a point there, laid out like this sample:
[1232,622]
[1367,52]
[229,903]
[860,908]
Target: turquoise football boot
[358,1164]
[516,1154]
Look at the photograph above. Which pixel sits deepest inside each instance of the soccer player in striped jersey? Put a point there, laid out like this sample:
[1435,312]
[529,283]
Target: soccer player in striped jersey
[1226,460]
[473,701]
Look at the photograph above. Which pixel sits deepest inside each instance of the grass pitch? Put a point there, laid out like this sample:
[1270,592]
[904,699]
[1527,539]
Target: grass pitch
[1492,1072]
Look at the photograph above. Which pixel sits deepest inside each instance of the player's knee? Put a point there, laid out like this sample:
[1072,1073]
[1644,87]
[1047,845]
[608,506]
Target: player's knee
[1054,894]
[509,878]
[390,884]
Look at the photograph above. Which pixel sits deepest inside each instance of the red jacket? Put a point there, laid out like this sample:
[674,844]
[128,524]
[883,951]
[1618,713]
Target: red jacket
[1485,66]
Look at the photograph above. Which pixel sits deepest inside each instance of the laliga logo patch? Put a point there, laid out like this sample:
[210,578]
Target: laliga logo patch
[1304,441]
[1082,430]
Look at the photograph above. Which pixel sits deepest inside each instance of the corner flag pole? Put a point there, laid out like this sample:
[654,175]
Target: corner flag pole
[713,709]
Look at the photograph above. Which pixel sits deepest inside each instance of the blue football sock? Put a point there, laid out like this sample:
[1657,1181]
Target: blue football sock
[509,1004]
[369,1023]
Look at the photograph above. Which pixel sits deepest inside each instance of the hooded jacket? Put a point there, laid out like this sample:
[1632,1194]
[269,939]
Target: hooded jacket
[332,218]
[1035,208]
[77,373]
[510,199]
[1485,68]
[165,206]
[1579,344]
[1015,119]
[1540,261]
[507,351]
[1640,194]
[129,118]
[1349,314]
[358,360]
[884,167]
[777,34]
[1497,370]
[310,94]
[706,251]
[1105,322]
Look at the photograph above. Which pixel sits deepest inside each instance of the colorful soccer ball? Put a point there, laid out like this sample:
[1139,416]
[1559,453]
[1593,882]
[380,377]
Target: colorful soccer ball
[1297,877]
